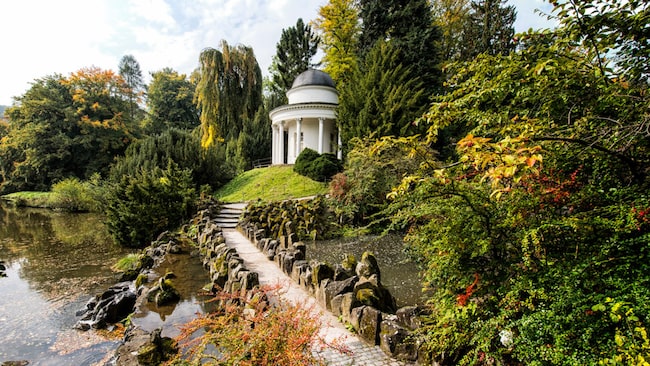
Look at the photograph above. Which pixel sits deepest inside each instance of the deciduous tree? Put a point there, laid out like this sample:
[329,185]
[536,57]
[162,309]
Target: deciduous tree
[229,91]
[170,102]
[339,27]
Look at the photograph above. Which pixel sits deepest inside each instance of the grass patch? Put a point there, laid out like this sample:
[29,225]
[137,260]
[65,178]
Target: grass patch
[128,262]
[274,183]
[29,199]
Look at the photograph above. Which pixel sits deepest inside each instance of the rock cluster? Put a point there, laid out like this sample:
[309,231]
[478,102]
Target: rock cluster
[3,268]
[352,291]
[116,303]
[226,267]
[112,306]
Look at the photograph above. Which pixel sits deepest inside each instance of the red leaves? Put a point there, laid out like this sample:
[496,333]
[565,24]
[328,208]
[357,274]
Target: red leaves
[462,299]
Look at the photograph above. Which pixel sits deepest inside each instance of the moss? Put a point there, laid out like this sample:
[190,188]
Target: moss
[367,296]
[349,262]
[141,280]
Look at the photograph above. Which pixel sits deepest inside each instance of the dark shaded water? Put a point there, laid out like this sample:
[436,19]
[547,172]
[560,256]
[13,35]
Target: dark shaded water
[55,263]
[398,273]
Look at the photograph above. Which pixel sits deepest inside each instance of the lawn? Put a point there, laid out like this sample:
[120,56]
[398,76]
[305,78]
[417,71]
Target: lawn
[274,183]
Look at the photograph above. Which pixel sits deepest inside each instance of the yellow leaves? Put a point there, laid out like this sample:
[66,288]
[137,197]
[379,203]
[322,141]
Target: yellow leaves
[502,163]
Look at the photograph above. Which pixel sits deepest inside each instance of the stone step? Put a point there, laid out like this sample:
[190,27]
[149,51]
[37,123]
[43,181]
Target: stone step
[228,216]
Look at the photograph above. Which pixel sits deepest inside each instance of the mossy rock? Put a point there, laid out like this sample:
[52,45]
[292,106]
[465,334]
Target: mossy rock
[320,272]
[141,280]
[367,296]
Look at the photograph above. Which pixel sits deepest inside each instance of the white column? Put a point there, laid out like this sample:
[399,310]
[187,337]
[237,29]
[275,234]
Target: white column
[274,144]
[297,146]
[339,153]
[320,135]
[281,144]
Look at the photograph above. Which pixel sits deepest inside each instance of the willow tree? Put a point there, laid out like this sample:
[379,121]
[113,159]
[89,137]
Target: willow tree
[228,93]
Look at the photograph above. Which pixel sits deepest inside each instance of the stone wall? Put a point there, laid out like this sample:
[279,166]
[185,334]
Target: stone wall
[226,267]
[352,291]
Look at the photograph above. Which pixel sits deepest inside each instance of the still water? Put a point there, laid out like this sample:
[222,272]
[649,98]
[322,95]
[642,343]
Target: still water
[398,272]
[55,263]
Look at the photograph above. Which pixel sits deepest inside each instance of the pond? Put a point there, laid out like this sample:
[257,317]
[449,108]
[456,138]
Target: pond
[55,263]
[398,272]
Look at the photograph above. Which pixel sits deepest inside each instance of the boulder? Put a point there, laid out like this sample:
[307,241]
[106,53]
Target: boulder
[335,288]
[142,348]
[409,317]
[369,291]
[112,306]
[342,305]
[164,292]
[321,271]
[368,266]
[369,324]
[396,340]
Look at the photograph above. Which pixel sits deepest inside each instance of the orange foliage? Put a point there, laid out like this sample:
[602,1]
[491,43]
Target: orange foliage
[249,331]
[462,299]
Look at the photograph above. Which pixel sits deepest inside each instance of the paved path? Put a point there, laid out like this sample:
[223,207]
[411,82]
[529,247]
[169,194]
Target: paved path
[269,274]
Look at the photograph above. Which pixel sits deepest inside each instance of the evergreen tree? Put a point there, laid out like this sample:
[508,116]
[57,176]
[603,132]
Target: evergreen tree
[294,51]
[129,70]
[409,25]
[489,29]
[207,166]
[383,98]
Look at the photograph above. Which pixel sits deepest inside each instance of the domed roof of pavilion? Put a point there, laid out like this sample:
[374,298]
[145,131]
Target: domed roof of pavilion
[313,77]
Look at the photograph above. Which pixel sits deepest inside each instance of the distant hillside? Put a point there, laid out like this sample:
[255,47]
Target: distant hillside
[274,183]
[2,110]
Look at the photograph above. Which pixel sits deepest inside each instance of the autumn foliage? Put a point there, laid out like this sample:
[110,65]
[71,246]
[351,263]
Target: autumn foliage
[258,329]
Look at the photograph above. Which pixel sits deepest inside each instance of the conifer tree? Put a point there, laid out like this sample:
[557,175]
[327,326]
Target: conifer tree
[489,29]
[294,53]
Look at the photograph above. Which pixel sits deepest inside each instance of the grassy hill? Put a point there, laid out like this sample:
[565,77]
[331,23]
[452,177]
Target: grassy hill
[274,183]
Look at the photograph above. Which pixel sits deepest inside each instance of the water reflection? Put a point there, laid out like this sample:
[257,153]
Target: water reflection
[55,263]
[190,278]
[398,273]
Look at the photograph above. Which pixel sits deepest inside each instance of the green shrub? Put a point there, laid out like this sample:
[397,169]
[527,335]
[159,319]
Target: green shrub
[73,195]
[184,149]
[317,167]
[141,207]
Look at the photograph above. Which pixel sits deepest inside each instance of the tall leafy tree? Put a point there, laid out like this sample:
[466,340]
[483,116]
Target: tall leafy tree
[228,92]
[98,96]
[37,147]
[611,27]
[64,127]
[170,102]
[294,53]
[339,27]
[129,70]
[489,29]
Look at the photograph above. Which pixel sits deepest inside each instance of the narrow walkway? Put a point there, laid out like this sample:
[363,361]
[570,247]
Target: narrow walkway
[269,274]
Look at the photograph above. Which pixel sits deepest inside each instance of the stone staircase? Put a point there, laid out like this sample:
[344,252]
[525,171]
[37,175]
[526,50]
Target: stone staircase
[228,217]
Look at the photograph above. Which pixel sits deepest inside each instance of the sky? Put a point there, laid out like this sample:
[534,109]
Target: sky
[45,37]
